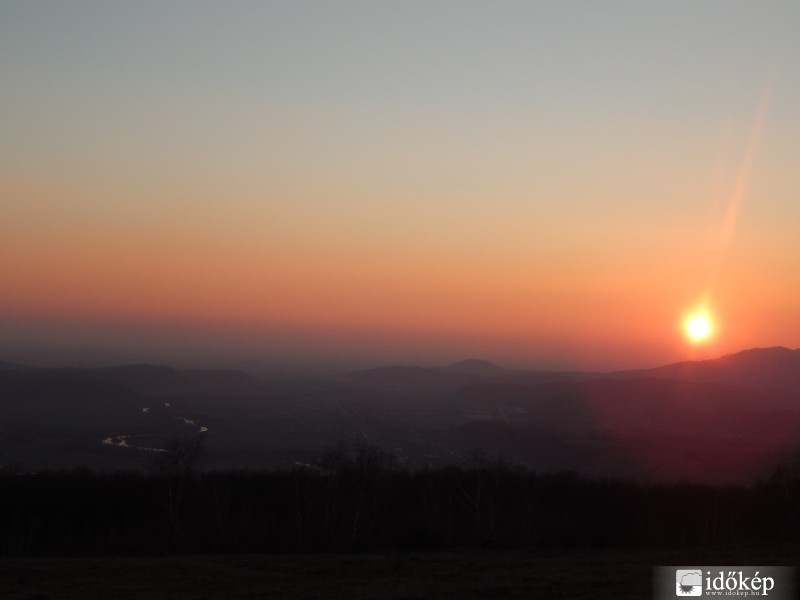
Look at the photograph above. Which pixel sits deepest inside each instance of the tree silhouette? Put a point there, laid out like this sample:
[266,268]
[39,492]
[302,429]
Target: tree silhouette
[176,465]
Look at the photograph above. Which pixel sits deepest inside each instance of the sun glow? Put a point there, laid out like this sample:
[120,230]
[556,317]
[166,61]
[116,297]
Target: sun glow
[698,328]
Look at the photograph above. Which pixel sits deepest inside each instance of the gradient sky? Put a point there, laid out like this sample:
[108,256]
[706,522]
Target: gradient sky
[544,184]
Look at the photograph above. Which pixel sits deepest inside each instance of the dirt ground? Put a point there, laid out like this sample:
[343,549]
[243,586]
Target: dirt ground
[395,576]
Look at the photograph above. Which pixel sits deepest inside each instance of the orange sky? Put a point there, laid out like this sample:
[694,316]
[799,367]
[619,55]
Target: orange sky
[312,193]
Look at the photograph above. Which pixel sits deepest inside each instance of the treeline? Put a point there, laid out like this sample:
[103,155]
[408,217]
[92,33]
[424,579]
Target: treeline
[359,500]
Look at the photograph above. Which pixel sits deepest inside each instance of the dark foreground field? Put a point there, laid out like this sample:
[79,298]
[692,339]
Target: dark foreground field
[394,576]
[358,527]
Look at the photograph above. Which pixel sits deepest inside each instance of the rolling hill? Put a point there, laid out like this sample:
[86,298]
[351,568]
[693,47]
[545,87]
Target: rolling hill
[729,419]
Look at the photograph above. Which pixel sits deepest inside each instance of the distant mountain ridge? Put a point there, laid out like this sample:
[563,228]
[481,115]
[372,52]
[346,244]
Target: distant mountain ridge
[731,418]
[476,366]
[143,377]
[416,378]
[9,366]
[775,368]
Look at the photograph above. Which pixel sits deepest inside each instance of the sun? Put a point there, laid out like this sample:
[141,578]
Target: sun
[698,328]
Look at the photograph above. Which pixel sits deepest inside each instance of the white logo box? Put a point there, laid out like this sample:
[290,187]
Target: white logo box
[724,581]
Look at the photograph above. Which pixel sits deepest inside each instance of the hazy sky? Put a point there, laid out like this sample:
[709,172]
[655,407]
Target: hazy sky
[538,183]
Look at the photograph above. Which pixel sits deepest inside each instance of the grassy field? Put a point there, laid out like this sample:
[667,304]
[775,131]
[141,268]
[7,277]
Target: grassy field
[395,576]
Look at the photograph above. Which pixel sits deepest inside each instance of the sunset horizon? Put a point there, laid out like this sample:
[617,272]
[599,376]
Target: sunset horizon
[372,183]
[348,299]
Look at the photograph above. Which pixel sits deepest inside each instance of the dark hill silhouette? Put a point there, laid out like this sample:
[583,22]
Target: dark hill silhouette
[724,418]
[9,366]
[671,429]
[413,378]
[154,378]
[53,387]
[775,368]
[51,418]
[476,366]
[142,377]
[220,379]
[631,405]
[471,371]
[525,377]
